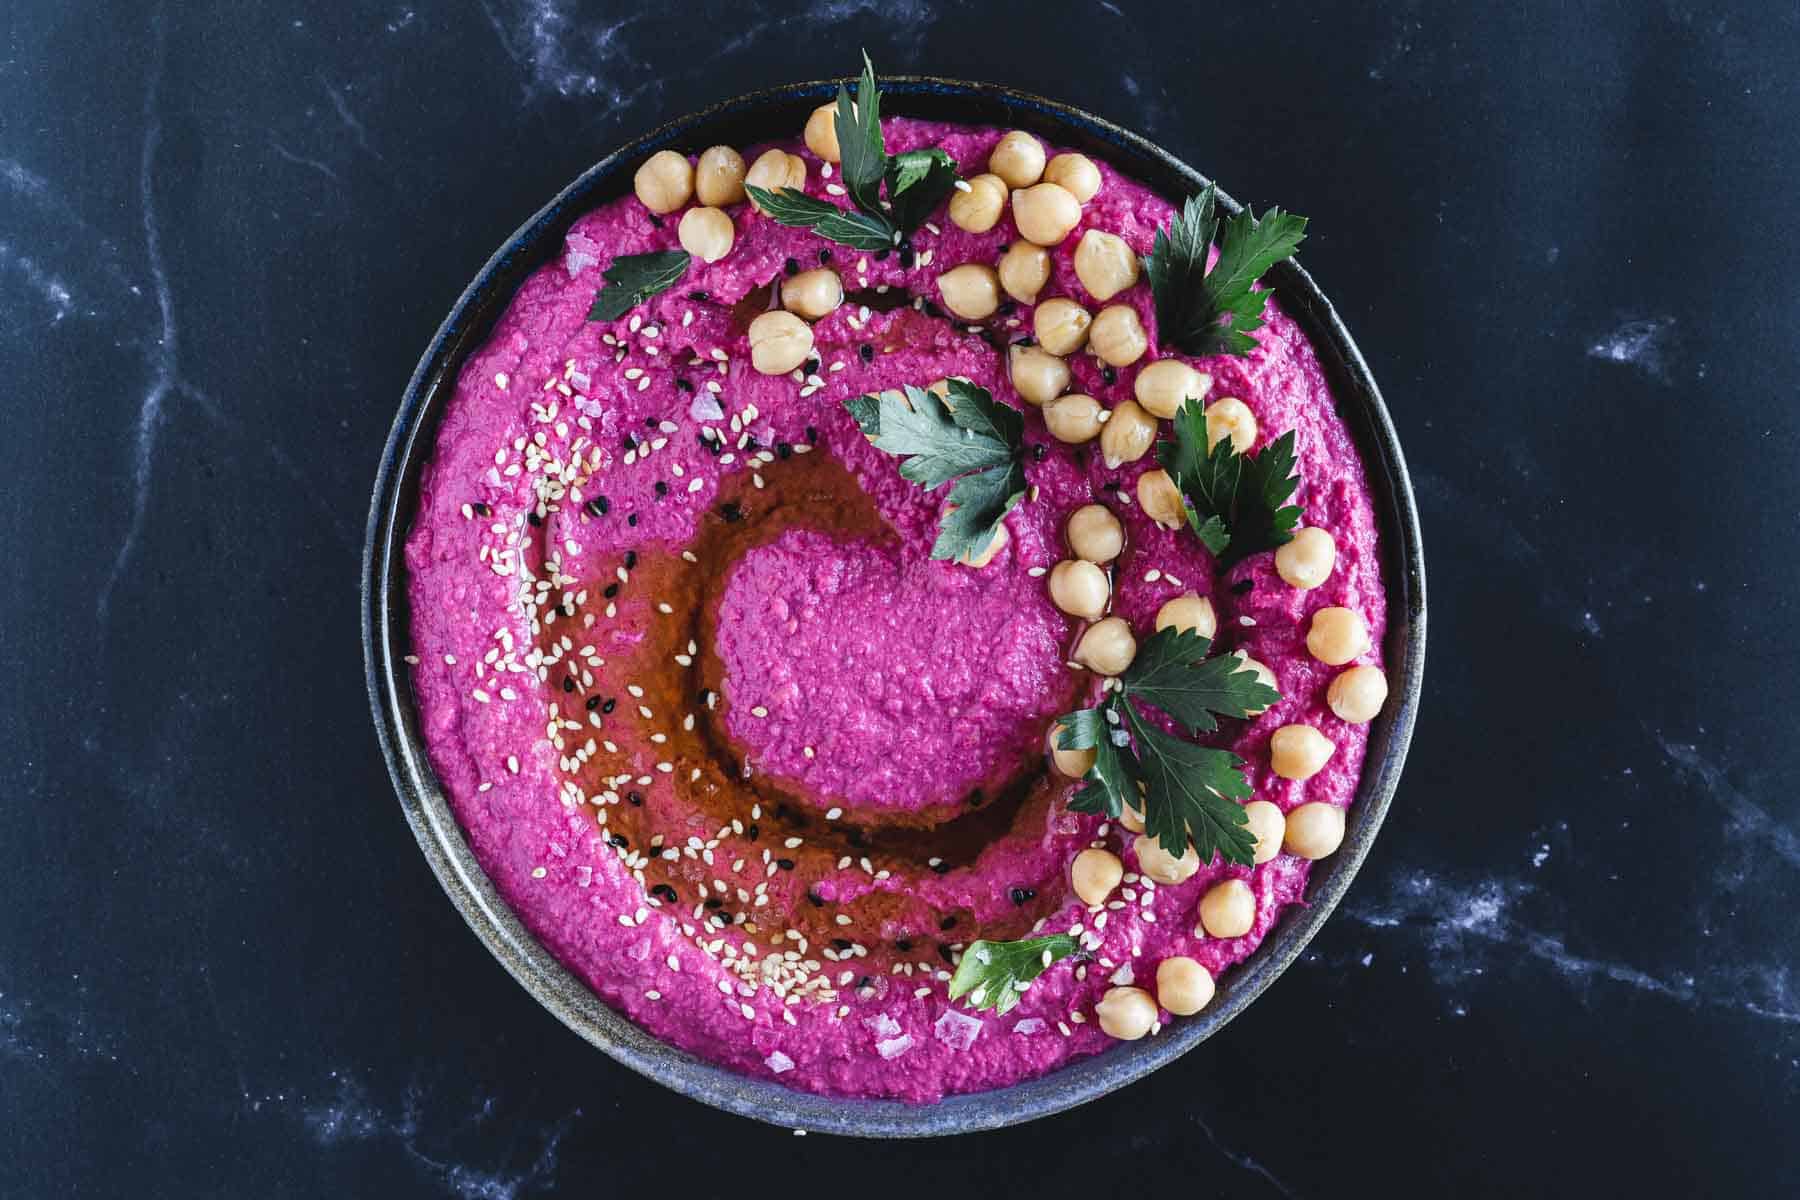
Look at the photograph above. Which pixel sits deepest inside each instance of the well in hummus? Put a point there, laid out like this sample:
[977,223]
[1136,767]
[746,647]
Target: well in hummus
[741,752]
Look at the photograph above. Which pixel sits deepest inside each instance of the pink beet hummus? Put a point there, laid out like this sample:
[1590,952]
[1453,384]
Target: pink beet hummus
[729,742]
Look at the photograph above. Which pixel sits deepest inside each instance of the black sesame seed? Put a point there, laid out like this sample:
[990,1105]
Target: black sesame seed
[753,832]
[706,696]
[684,385]
[611,702]
[812,365]
[1021,895]
[481,510]
[630,559]
[629,441]
[649,422]
[940,868]
[947,923]
[1005,246]
[945,953]
[714,902]
[593,702]
[535,520]
[791,266]
[731,511]
[1040,452]
[699,297]
[824,256]
[903,945]
[619,840]
[568,683]
[907,257]
[977,798]
[784,450]
[840,944]
[632,520]
[881,255]
[662,489]
[812,435]
[611,590]
[1026,341]
[864,982]
[818,901]
[866,352]
[636,798]
[599,506]
[1243,586]
[786,864]
[654,220]
[664,892]
[1109,374]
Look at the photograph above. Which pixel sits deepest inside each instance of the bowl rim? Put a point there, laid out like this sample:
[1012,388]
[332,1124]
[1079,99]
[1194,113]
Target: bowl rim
[385,637]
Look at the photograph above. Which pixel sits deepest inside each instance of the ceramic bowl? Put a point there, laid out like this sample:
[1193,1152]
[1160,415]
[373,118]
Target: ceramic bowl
[761,116]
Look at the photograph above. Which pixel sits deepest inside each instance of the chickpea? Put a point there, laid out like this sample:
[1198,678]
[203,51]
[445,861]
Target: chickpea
[665,182]
[1117,336]
[1024,270]
[1299,751]
[1337,635]
[1183,986]
[1315,830]
[1061,326]
[971,291]
[1126,1013]
[1188,611]
[1128,434]
[1017,158]
[821,132]
[1160,499]
[776,169]
[812,294]
[1163,386]
[719,177]
[1075,174]
[1264,675]
[1095,534]
[1038,377]
[1073,763]
[1073,418]
[1230,417]
[978,209]
[1160,865]
[779,342]
[1357,695]
[1267,826]
[995,545]
[706,233]
[1079,588]
[1107,647]
[1105,265]
[1045,214]
[1094,874]
[1132,816]
[1228,909]
[1306,561]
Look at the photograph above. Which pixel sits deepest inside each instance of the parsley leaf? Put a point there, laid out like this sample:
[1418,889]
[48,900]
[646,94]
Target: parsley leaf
[992,974]
[1237,503]
[633,279]
[917,181]
[1171,672]
[966,436]
[1213,312]
[1188,791]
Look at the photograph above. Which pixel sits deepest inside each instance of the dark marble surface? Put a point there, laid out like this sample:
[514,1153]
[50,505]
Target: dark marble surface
[1562,233]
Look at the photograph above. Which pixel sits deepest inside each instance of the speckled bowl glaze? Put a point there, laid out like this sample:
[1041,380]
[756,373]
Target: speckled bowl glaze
[386,623]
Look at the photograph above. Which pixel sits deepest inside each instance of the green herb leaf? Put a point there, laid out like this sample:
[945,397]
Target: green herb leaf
[966,436]
[1213,312]
[846,227]
[1171,671]
[862,153]
[1191,794]
[633,279]
[917,182]
[1112,780]
[993,974]
[1236,502]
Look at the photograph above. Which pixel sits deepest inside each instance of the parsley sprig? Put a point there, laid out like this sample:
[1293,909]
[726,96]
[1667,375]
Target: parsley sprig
[1213,312]
[916,181]
[993,974]
[1189,791]
[1236,503]
[967,436]
[634,278]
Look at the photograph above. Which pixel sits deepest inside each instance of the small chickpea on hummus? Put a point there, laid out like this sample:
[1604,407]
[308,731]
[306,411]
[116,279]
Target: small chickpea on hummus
[807,605]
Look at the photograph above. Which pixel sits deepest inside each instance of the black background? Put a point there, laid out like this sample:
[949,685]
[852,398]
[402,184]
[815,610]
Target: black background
[1564,237]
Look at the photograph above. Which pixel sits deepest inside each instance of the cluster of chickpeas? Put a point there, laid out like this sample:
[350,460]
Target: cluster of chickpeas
[780,340]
